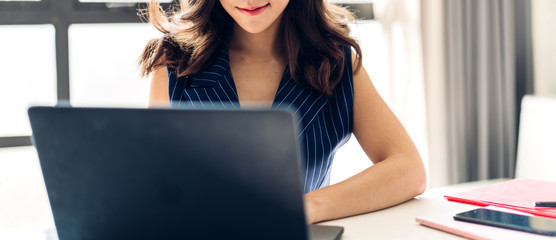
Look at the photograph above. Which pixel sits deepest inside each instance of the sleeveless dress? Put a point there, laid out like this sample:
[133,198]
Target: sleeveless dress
[324,123]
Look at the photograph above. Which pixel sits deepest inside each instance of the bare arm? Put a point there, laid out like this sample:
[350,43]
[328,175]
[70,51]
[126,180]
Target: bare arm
[158,96]
[398,173]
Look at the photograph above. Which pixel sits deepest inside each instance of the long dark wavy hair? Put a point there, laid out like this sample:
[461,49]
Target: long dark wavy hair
[314,33]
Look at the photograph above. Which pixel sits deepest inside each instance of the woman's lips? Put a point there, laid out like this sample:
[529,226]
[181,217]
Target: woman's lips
[253,11]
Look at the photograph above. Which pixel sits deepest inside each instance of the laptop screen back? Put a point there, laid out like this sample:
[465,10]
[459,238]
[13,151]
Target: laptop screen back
[170,174]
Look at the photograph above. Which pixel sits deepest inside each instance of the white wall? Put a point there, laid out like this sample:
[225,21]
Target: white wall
[544,46]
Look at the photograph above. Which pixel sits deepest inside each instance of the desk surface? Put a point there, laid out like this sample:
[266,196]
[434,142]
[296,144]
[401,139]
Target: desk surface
[398,222]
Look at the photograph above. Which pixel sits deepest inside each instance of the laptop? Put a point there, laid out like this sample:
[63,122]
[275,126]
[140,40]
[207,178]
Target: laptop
[115,173]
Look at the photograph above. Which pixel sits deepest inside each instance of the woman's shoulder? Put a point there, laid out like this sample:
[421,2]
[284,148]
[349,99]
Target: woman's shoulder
[353,59]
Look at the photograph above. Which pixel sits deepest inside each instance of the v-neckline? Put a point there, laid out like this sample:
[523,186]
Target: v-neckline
[281,84]
[231,81]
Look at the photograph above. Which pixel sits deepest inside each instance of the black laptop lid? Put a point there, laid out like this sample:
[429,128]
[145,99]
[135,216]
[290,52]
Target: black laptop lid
[170,174]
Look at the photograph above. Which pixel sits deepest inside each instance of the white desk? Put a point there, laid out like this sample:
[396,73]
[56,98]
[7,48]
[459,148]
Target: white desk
[398,222]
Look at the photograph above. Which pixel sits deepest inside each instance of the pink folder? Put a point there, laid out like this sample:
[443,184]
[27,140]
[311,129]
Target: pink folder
[518,194]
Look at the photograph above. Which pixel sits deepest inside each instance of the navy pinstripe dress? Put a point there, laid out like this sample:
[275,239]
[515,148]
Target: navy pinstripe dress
[325,123]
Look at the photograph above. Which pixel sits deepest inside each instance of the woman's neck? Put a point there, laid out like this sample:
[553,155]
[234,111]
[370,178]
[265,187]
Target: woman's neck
[258,46]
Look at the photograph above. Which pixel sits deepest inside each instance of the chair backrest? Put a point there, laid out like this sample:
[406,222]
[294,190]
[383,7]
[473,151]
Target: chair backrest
[536,151]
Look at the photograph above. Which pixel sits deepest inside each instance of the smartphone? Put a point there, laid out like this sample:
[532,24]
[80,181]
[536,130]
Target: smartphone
[532,224]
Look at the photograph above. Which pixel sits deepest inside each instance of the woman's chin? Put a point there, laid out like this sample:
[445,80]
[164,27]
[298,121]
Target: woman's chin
[253,29]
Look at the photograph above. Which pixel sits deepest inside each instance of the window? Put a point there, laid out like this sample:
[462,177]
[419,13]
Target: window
[103,69]
[28,74]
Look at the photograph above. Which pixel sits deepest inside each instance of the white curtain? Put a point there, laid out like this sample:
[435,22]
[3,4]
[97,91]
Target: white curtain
[473,85]
[404,91]
[433,57]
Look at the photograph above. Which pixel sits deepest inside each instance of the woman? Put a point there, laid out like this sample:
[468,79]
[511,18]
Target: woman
[295,54]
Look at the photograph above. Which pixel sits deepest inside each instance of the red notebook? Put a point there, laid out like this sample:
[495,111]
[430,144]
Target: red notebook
[518,194]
